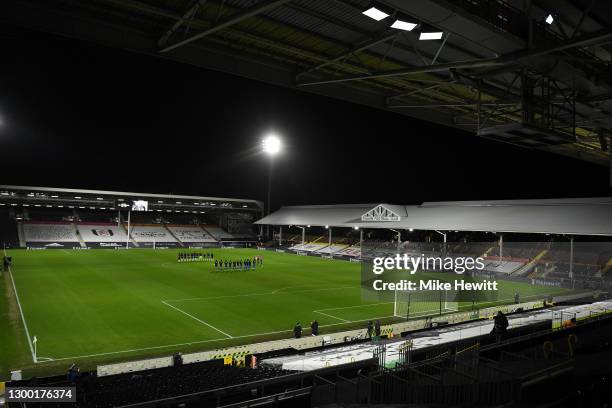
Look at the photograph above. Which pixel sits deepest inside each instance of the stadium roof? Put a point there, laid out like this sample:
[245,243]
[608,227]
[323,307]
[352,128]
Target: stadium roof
[499,69]
[581,216]
[100,199]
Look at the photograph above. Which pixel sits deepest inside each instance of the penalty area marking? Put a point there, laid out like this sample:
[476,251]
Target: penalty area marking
[274,292]
[229,336]
[321,311]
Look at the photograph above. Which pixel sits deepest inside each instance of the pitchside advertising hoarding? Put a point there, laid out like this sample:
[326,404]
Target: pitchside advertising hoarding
[424,278]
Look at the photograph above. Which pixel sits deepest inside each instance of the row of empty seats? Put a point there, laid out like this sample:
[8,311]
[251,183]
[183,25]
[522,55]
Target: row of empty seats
[49,232]
[308,247]
[106,232]
[101,232]
[354,251]
[151,233]
[325,248]
[218,232]
[190,233]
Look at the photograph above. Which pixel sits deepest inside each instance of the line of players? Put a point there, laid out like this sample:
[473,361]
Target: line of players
[246,263]
[195,256]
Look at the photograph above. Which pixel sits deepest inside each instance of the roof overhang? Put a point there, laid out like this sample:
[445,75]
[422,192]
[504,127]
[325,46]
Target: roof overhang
[109,199]
[585,216]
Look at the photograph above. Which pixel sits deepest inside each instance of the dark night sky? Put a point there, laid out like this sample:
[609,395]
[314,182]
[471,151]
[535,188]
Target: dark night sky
[80,115]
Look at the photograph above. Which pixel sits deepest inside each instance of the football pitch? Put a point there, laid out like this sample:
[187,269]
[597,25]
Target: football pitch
[99,306]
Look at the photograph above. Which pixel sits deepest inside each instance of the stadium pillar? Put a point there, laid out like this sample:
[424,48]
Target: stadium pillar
[280,235]
[303,233]
[127,240]
[501,246]
[571,265]
[444,236]
[330,236]
[399,238]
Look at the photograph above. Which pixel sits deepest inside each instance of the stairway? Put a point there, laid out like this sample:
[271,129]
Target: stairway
[532,264]
[78,234]
[172,235]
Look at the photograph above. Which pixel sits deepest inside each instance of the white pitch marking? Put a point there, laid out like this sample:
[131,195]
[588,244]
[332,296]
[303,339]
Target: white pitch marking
[356,306]
[25,325]
[201,321]
[333,317]
[275,292]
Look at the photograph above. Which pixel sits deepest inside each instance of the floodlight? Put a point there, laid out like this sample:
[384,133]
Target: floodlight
[402,23]
[356,227]
[549,19]
[432,35]
[411,229]
[327,226]
[376,13]
[271,144]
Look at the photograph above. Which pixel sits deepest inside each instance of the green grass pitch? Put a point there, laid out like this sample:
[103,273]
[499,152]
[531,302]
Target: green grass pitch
[100,306]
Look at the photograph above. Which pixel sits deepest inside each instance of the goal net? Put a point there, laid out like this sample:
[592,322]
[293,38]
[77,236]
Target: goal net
[414,304]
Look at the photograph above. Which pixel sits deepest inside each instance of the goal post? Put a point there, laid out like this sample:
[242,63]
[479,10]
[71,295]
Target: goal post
[414,304]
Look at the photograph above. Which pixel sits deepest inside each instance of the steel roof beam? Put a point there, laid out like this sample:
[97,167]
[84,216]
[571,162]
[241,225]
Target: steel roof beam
[478,63]
[236,18]
[354,50]
[451,105]
[189,14]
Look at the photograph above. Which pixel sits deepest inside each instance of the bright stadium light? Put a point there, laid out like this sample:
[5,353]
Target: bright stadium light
[271,144]
[402,23]
[549,19]
[434,35]
[375,13]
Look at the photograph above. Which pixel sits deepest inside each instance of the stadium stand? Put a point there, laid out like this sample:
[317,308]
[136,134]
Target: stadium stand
[151,385]
[308,247]
[63,214]
[150,233]
[497,265]
[353,251]
[332,249]
[97,216]
[190,234]
[217,232]
[95,234]
[51,232]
